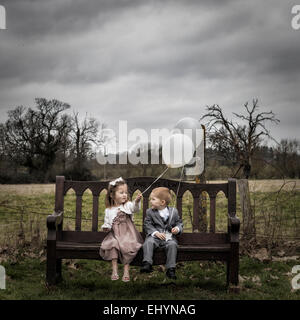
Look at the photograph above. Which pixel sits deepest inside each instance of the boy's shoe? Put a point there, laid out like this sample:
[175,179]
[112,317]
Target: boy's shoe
[147,267]
[171,273]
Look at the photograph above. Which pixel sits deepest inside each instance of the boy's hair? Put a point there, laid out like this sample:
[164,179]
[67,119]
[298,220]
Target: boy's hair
[163,194]
[111,191]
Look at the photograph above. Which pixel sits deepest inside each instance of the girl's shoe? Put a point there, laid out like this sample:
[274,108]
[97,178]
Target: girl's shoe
[125,278]
[114,276]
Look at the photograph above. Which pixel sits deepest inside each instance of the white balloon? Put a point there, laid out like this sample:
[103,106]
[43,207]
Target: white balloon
[177,150]
[195,132]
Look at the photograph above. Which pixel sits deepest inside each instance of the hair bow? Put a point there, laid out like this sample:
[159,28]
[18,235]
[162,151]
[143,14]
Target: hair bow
[113,183]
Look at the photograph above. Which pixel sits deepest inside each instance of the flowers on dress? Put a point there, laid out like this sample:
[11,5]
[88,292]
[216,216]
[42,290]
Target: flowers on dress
[120,218]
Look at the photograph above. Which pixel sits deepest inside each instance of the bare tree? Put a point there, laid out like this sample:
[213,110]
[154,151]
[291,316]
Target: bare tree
[17,135]
[287,156]
[238,141]
[31,138]
[64,152]
[84,136]
[51,129]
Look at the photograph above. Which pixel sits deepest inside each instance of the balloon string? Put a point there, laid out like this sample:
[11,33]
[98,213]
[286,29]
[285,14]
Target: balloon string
[179,182]
[177,190]
[155,180]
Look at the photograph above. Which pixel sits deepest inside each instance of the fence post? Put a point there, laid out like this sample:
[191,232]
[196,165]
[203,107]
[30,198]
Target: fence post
[247,211]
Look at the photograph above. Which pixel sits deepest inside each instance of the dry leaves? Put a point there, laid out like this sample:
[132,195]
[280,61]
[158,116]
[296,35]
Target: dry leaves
[256,280]
[262,255]
[280,259]
[161,268]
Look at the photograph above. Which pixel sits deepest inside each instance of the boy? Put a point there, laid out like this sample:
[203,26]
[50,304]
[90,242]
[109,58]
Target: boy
[160,225]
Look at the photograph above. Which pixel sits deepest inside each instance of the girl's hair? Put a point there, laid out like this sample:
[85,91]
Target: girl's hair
[111,191]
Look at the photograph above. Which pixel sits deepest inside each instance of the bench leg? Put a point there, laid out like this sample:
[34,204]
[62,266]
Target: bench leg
[53,272]
[233,266]
[227,272]
[58,270]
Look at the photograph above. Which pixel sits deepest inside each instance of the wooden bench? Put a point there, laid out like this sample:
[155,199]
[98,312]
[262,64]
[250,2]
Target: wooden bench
[62,244]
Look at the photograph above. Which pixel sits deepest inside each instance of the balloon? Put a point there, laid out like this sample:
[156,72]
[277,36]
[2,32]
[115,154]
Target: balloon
[196,132]
[177,150]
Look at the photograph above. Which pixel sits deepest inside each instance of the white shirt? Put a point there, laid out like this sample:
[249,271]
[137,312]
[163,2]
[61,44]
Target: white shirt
[164,213]
[110,213]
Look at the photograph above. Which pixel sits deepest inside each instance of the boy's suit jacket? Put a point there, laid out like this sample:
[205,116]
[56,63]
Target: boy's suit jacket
[154,222]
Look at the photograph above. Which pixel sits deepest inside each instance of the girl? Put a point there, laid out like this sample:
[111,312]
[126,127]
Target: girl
[123,240]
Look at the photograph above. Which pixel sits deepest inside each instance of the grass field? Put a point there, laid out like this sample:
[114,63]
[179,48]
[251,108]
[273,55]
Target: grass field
[277,216]
[86,279]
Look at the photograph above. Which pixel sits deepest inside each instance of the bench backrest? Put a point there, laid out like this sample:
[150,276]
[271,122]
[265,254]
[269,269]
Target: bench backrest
[141,183]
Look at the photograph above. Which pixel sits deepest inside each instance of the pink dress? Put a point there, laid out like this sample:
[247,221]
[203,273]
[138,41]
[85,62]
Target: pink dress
[123,240]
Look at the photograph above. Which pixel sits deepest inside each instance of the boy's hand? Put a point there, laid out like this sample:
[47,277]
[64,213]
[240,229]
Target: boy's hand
[138,197]
[174,230]
[160,235]
[106,229]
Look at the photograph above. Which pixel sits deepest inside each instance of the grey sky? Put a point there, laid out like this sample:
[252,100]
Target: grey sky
[152,62]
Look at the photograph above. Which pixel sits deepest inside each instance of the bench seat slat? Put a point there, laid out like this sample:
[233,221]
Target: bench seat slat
[63,245]
[65,250]
[184,238]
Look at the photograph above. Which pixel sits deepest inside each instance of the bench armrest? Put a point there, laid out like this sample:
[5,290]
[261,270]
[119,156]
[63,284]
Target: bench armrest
[54,220]
[233,228]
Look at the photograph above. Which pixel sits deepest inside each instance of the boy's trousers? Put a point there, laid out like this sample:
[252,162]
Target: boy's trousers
[170,247]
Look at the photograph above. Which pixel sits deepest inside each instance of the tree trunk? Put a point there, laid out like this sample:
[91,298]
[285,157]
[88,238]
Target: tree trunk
[247,170]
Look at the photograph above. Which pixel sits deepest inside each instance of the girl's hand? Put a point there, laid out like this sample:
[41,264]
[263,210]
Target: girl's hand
[106,229]
[138,197]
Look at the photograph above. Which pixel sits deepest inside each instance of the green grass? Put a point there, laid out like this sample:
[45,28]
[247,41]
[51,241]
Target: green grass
[196,280]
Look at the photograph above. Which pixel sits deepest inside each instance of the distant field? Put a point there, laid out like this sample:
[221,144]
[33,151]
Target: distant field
[255,186]
[270,185]
[28,189]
